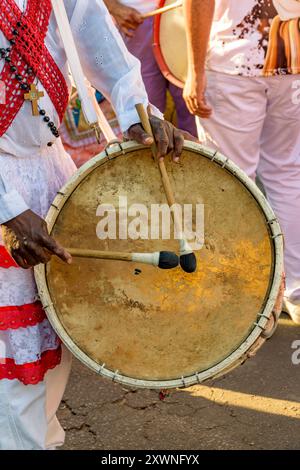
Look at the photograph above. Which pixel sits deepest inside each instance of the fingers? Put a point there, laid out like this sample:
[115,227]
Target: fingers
[167,137]
[24,258]
[132,21]
[190,137]
[191,104]
[30,255]
[136,18]
[198,107]
[163,142]
[30,258]
[19,260]
[55,248]
[178,144]
[194,95]
[42,255]
[127,32]
[138,134]
[203,110]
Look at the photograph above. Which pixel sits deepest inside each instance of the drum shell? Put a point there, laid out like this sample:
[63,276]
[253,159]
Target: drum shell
[170,44]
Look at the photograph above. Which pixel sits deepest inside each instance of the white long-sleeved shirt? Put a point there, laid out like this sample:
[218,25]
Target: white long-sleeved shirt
[107,65]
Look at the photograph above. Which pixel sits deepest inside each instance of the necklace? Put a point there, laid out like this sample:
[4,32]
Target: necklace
[31,93]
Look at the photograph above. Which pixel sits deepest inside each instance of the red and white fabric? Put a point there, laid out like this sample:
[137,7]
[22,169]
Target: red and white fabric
[28,345]
[29,50]
[28,412]
[30,175]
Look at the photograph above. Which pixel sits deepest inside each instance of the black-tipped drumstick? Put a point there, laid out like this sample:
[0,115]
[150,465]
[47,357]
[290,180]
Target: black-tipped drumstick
[161,259]
[188,261]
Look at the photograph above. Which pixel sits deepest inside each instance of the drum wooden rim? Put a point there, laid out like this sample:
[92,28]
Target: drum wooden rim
[165,70]
[237,356]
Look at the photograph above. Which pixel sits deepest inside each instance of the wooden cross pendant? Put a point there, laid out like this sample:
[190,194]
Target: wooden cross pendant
[34,96]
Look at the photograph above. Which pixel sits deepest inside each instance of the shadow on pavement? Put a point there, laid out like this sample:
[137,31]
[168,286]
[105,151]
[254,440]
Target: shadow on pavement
[257,406]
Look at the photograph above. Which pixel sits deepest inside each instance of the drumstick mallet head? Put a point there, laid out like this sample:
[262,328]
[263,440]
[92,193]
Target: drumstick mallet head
[188,261]
[161,259]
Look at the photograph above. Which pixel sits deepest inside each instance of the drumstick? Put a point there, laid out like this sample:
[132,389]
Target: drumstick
[161,259]
[188,260]
[159,11]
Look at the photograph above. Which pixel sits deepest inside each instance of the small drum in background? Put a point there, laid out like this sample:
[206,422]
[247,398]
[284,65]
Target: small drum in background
[164,329]
[170,44]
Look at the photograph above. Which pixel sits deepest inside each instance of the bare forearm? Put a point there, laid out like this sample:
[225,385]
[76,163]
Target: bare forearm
[111,4]
[199,17]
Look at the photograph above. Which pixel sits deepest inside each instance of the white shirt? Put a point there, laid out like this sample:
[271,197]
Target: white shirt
[287,9]
[240,35]
[143,6]
[108,66]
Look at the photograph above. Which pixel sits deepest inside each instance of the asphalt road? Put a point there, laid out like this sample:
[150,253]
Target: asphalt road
[257,406]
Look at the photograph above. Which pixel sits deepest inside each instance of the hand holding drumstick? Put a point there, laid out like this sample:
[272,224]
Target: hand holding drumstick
[166,137]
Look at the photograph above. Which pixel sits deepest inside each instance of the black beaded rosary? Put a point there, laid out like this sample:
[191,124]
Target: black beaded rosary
[33,94]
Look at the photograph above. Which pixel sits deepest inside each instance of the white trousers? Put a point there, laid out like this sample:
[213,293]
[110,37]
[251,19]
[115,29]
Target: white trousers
[256,123]
[28,412]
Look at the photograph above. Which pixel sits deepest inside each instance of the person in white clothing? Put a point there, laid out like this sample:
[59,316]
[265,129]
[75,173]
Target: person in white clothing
[33,167]
[138,36]
[244,66]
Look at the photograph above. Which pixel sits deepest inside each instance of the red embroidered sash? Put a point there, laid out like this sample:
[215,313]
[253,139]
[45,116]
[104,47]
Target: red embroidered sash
[29,51]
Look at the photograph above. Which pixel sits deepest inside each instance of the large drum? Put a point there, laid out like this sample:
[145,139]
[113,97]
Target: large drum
[164,329]
[170,44]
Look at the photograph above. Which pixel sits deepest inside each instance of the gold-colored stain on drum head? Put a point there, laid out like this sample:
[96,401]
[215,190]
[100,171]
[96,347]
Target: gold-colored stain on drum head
[162,324]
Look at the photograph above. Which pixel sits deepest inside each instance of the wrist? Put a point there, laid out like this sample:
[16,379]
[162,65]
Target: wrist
[196,70]
[11,205]
[196,77]
[111,4]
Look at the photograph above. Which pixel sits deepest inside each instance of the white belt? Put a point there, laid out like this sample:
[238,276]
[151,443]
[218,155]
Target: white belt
[90,107]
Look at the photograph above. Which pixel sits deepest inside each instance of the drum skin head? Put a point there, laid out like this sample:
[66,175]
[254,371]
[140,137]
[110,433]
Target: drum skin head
[161,325]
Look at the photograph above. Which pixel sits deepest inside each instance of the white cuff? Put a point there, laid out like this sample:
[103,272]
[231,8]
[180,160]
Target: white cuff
[11,205]
[156,112]
[132,117]
[128,119]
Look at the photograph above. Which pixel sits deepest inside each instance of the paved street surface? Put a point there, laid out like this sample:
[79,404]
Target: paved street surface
[257,406]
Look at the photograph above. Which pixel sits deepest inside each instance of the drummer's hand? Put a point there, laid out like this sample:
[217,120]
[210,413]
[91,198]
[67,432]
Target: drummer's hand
[194,95]
[27,240]
[167,137]
[127,18]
